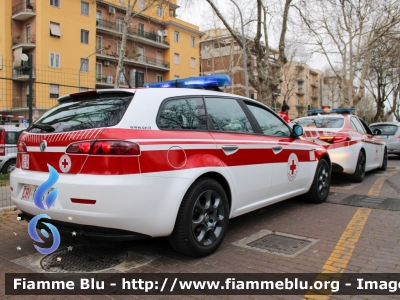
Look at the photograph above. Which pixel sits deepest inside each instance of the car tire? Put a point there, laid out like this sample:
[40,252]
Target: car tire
[383,167]
[202,219]
[8,167]
[319,190]
[359,174]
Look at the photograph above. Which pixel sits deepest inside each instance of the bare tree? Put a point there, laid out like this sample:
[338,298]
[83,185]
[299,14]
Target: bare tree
[384,59]
[264,75]
[346,32]
[132,9]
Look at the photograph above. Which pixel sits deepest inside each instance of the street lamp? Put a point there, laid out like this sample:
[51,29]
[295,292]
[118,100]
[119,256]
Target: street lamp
[80,68]
[246,76]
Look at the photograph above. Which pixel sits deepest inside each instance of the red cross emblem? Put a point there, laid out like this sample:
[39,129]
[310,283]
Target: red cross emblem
[292,166]
[65,163]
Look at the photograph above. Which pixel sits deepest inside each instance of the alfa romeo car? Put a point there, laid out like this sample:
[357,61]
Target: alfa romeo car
[352,146]
[162,161]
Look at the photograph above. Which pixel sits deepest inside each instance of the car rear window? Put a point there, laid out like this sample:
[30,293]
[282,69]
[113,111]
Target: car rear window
[321,122]
[87,114]
[386,129]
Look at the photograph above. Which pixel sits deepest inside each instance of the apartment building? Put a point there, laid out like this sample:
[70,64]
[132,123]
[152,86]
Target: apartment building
[75,46]
[301,88]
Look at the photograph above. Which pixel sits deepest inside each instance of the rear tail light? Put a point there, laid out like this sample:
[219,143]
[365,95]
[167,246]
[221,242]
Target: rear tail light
[2,142]
[398,138]
[106,147]
[21,147]
[338,138]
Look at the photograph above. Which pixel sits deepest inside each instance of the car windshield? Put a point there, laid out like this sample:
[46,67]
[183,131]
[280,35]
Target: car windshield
[386,129]
[79,115]
[320,122]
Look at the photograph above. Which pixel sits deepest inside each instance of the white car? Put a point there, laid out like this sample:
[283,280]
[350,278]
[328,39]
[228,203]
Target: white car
[9,135]
[390,135]
[352,146]
[136,163]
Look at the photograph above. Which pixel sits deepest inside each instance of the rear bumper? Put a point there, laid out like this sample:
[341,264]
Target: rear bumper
[91,232]
[134,203]
[393,147]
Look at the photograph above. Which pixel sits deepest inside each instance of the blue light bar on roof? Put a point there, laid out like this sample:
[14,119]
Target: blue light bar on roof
[314,112]
[194,82]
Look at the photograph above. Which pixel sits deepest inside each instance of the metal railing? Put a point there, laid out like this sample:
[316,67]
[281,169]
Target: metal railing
[150,61]
[22,71]
[131,31]
[24,6]
[24,39]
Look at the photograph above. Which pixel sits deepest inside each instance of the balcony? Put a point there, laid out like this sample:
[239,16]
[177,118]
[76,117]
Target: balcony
[140,60]
[300,91]
[25,41]
[150,38]
[314,96]
[103,80]
[23,11]
[22,73]
[315,85]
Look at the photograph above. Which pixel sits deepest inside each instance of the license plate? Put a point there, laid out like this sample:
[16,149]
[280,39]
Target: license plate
[383,136]
[29,192]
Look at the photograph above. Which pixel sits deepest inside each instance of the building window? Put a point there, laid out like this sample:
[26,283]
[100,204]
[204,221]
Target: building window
[140,53]
[140,80]
[55,3]
[54,90]
[208,62]
[159,78]
[176,36]
[141,29]
[98,71]
[120,24]
[54,60]
[141,4]
[84,65]
[192,41]
[176,58]
[84,8]
[99,18]
[84,36]
[55,29]
[28,33]
[99,42]
[176,77]
[192,62]
[159,11]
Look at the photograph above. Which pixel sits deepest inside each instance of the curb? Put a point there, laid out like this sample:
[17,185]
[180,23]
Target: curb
[7,208]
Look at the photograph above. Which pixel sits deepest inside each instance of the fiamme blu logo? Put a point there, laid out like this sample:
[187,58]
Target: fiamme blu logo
[44,203]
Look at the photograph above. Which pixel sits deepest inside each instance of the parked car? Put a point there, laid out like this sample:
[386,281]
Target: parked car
[9,135]
[390,134]
[352,146]
[137,163]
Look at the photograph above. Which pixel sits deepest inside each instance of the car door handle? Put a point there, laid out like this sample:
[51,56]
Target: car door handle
[276,149]
[230,149]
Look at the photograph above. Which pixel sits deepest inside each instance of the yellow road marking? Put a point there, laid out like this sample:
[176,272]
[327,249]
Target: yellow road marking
[377,186]
[340,256]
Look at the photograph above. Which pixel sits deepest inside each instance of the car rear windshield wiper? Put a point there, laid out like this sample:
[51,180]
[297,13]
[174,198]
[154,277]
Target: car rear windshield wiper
[45,127]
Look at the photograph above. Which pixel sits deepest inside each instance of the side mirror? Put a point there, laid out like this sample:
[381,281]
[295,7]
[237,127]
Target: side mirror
[377,131]
[297,130]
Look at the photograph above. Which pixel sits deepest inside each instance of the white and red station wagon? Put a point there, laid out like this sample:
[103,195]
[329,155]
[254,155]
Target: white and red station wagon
[176,162]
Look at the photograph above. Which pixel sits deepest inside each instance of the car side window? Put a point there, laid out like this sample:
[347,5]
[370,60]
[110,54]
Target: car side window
[269,123]
[227,115]
[185,113]
[356,125]
[12,137]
